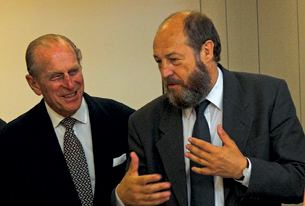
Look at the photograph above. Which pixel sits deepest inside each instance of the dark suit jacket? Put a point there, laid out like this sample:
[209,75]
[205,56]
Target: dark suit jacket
[35,171]
[2,123]
[258,115]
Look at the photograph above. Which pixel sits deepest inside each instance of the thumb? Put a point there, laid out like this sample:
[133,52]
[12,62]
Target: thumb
[223,135]
[134,164]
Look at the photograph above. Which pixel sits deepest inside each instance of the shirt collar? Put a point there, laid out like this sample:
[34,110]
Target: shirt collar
[81,115]
[215,96]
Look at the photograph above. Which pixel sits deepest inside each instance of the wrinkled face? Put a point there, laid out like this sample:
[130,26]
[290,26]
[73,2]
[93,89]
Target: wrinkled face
[60,79]
[185,76]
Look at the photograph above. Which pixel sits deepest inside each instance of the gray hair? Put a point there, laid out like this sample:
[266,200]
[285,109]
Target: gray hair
[198,28]
[45,41]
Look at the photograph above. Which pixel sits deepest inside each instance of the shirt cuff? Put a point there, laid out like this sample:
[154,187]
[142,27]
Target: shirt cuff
[247,176]
[118,201]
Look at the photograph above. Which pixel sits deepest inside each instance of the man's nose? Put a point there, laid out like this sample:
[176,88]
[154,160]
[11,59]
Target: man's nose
[166,70]
[68,82]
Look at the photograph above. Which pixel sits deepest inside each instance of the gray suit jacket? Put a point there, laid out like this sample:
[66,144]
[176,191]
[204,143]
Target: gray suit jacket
[258,115]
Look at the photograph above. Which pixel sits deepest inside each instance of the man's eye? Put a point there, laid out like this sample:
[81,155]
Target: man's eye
[158,61]
[73,72]
[55,77]
[174,61]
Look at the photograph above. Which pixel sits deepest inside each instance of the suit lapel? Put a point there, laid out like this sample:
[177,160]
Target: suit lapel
[171,150]
[237,119]
[99,119]
[42,142]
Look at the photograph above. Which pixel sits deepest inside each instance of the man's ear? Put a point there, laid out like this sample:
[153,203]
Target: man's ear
[33,84]
[207,52]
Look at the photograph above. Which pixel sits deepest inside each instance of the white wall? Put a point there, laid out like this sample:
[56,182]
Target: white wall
[115,37]
[266,37]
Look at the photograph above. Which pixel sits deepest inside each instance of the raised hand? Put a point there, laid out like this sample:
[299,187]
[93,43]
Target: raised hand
[142,190]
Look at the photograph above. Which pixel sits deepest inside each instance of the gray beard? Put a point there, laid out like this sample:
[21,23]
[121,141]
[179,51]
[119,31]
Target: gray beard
[198,87]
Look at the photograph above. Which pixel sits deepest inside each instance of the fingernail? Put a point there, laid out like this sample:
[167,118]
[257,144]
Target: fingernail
[220,127]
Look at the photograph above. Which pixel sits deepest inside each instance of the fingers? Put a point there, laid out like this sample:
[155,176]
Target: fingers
[149,188]
[142,190]
[197,154]
[152,199]
[223,135]
[134,165]
[147,179]
[200,159]
[133,171]
[200,151]
[154,189]
[153,194]
[202,171]
[226,161]
[201,144]
[135,192]
[200,147]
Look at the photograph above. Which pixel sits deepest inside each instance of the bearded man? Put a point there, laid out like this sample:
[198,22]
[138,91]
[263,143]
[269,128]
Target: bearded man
[250,148]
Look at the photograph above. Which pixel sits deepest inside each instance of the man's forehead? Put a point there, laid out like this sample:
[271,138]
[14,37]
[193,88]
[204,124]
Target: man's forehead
[52,48]
[170,40]
[171,27]
[171,32]
[44,56]
[45,52]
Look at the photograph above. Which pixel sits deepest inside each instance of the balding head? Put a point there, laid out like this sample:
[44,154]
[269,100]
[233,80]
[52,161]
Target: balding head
[196,27]
[47,42]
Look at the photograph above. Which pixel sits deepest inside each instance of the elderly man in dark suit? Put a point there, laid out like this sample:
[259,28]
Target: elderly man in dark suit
[246,147]
[70,149]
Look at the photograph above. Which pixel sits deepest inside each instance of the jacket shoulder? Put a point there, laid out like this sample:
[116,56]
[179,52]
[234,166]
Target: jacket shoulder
[111,106]
[250,78]
[154,108]
[31,118]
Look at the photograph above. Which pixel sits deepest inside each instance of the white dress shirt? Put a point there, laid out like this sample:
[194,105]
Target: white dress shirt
[213,115]
[82,130]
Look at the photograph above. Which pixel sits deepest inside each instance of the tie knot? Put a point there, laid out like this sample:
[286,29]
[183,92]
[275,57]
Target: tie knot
[68,122]
[201,107]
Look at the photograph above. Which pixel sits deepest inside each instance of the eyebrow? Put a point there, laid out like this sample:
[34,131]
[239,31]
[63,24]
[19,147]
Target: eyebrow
[74,67]
[167,55]
[50,74]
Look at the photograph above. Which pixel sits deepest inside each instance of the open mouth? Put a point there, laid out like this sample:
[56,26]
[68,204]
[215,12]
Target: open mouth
[70,95]
[173,85]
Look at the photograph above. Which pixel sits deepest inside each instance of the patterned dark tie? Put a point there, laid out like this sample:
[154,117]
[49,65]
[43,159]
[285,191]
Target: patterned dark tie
[77,163]
[202,186]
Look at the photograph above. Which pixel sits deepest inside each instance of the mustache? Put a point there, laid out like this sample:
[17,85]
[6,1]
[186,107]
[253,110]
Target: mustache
[171,80]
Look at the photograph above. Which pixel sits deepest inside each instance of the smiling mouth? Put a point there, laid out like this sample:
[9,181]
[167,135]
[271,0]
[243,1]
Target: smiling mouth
[70,95]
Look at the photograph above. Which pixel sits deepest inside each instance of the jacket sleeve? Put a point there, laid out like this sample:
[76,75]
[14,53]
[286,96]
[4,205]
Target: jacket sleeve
[282,176]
